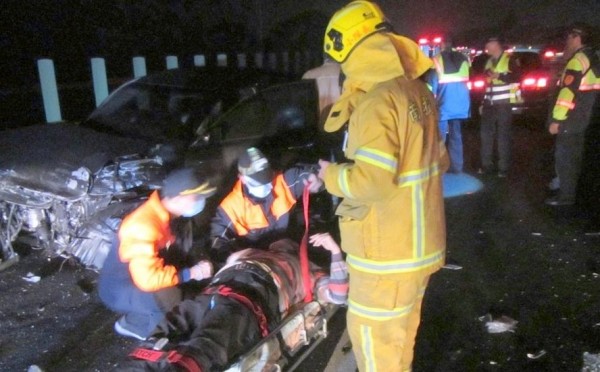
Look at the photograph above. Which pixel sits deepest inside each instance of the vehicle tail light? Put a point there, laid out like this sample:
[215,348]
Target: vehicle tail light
[534,82]
[437,40]
[423,41]
[549,54]
[542,82]
[477,84]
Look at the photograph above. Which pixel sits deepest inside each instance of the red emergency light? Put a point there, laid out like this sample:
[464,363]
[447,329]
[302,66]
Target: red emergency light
[437,40]
[423,41]
[549,54]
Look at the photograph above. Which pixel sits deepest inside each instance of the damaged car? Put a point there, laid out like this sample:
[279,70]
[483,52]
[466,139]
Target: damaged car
[65,187]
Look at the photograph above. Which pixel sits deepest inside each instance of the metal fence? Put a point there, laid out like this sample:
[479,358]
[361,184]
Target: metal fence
[293,65]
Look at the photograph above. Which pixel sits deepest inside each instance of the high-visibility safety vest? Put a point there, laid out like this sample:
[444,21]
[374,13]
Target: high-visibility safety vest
[445,77]
[498,91]
[579,85]
[245,215]
[591,74]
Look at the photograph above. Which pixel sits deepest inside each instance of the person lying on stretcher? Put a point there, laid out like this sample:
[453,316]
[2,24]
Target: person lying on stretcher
[244,301]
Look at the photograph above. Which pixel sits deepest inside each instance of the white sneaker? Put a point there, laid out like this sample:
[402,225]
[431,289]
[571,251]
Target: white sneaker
[120,329]
[554,184]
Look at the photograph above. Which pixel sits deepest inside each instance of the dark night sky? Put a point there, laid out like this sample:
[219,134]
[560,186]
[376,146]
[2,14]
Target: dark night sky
[71,29]
[416,18]
[420,16]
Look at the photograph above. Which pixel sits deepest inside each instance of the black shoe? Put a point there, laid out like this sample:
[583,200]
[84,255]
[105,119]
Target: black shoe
[558,201]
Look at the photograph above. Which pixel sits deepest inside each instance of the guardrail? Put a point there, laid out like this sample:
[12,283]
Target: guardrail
[271,61]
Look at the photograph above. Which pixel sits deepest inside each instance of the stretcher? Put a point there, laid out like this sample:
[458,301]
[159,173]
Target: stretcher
[290,343]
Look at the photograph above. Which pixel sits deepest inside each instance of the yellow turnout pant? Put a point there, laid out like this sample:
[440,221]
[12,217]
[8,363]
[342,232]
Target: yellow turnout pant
[383,319]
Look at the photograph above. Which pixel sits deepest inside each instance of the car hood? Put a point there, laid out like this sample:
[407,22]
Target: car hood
[58,158]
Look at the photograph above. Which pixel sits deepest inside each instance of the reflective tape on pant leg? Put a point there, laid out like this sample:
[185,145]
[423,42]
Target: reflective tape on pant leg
[377,314]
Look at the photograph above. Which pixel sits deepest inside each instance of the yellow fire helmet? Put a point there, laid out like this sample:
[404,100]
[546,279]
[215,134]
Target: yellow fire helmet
[350,25]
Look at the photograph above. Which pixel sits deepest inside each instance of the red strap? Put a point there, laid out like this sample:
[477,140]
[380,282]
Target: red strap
[173,357]
[188,364]
[304,267]
[147,354]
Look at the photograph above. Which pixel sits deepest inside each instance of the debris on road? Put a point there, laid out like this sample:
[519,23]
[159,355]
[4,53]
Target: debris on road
[31,278]
[591,362]
[499,325]
[537,355]
[452,267]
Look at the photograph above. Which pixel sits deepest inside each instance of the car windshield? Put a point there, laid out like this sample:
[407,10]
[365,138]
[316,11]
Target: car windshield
[528,61]
[158,112]
[282,109]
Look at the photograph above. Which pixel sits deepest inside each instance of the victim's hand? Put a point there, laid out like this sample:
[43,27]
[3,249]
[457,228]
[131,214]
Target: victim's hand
[313,182]
[326,241]
[323,164]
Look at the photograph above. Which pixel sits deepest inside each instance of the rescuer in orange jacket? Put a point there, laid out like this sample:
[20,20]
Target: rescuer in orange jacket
[579,87]
[391,219]
[135,280]
[257,211]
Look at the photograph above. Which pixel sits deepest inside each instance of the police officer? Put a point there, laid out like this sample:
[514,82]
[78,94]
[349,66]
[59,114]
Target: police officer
[579,86]
[448,83]
[502,90]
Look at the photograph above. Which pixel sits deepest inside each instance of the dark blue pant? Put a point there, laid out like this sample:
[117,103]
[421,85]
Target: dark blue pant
[142,310]
[496,119]
[567,157]
[452,130]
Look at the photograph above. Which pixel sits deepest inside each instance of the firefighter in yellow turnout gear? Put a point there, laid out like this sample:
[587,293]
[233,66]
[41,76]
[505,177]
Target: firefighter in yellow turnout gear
[392,220]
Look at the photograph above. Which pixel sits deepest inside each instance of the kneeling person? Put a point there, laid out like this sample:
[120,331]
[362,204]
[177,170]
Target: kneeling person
[135,280]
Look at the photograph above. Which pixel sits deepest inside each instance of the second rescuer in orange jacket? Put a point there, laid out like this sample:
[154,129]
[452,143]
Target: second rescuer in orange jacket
[257,211]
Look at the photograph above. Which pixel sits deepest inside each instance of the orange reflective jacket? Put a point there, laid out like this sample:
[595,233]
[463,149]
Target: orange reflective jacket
[143,233]
[246,215]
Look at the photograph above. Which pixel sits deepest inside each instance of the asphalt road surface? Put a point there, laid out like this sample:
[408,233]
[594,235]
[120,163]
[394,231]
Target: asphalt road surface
[520,265]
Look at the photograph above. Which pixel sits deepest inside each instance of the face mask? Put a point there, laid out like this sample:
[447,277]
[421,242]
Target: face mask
[261,191]
[195,208]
